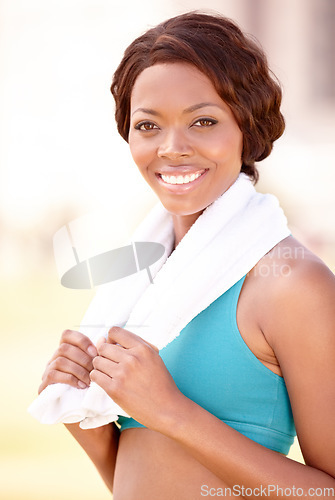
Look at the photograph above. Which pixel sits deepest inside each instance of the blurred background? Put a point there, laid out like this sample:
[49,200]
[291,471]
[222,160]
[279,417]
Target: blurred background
[61,158]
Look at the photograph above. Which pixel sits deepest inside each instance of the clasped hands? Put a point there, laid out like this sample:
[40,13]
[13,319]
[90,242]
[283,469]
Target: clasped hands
[129,369]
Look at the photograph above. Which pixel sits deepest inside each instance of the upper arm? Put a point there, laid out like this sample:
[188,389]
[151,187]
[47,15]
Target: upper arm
[303,338]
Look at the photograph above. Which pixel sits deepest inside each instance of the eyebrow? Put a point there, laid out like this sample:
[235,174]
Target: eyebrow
[199,106]
[190,109]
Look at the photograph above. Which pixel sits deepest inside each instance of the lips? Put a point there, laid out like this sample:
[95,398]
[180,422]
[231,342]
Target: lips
[181,180]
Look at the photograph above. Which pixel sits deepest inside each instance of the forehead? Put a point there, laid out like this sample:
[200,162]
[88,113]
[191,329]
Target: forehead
[172,84]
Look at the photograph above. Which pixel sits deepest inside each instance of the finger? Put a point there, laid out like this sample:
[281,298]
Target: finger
[126,339]
[74,376]
[114,352]
[72,353]
[68,379]
[101,379]
[68,367]
[79,340]
[76,355]
[104,365]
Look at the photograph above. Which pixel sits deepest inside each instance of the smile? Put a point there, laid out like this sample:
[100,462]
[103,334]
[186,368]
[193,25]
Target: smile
[181,179]
[181,183]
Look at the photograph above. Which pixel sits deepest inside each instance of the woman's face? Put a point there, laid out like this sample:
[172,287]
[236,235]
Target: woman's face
[183,137]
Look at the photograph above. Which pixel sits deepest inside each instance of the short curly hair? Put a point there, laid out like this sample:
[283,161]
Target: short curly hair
[234,63]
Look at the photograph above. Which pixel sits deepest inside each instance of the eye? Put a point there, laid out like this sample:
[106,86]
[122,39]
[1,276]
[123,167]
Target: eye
[145,126]
[205,122]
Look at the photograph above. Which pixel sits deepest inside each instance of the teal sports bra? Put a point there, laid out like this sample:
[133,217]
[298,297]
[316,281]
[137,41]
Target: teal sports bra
[212,365]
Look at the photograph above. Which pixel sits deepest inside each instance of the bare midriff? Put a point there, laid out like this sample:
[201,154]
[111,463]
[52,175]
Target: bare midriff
[151,466]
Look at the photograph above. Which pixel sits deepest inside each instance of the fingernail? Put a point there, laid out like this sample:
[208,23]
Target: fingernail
[81,384]
[92,351]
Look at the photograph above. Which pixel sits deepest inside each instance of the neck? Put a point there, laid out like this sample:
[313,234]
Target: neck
[181,225]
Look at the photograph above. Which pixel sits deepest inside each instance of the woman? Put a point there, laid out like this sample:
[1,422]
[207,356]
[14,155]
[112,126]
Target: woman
[195,100]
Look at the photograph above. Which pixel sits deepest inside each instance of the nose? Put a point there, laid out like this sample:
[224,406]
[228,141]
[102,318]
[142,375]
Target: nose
[174,144]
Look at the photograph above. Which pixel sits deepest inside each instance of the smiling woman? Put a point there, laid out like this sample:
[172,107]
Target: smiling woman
[183,138]
[246,357]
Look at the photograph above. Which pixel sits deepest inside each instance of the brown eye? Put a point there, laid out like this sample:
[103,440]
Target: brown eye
[145,126]
[205,122]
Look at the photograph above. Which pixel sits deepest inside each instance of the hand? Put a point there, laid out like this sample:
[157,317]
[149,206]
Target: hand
[133,374]
[72,362]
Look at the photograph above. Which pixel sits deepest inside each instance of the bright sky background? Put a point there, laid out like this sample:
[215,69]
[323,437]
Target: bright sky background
[60,154]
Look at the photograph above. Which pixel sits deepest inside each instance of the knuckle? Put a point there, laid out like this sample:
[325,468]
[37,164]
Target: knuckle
[84,364]
[71,380]
[75,338]
[121,378]
[65,334]
[84,343]
[130,362]
[51,377]
[143,350]
[60,363]
[63,349]
[114,329]
[83,375]
[111,332]
[56,376]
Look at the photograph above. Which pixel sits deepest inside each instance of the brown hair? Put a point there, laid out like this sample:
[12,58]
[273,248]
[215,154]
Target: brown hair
[235,64]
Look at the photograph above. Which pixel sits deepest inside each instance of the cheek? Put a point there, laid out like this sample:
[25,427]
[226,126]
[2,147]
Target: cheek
[139,152]
[227,146]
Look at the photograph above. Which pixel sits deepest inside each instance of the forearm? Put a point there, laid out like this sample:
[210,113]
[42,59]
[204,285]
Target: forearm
[101,445]
[238,460]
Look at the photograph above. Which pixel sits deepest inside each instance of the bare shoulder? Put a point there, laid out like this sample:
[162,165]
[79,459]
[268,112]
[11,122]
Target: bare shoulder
[288,291]
[299,302]
[292,282]
[290,261]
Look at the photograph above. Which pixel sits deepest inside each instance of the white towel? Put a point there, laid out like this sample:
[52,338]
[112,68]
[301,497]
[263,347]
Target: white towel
[223,245]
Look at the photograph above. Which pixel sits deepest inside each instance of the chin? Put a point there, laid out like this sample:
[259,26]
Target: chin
[184,209]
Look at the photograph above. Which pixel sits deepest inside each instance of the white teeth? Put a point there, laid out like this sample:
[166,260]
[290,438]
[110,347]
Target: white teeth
[180,179]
